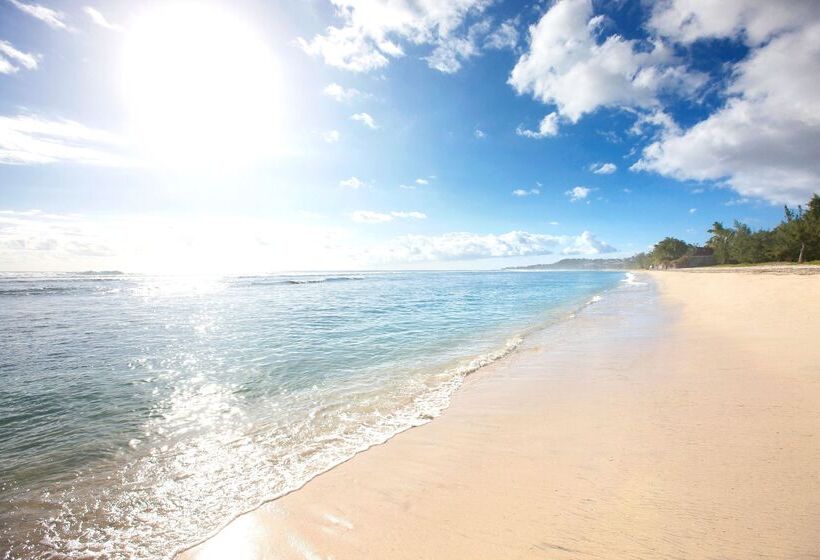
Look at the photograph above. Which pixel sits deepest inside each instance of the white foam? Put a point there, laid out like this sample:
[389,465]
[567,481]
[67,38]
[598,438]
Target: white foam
[630,280]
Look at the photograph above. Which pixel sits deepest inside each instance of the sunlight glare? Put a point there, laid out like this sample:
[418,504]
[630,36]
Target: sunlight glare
[200,86]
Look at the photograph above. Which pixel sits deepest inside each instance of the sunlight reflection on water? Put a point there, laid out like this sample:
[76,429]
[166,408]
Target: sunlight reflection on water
[147,414]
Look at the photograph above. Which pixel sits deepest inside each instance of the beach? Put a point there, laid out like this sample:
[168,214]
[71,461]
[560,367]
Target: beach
[679,424]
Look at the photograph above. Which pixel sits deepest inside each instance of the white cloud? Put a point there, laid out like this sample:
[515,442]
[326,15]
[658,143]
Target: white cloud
[369,217]
[755,21]
[36,240]
[32,235]
[451,52]
[339,93]
[29,139]
[52,18]
[352,183]
[587,244]
[764,141]
[547,127]
[693,210]
[11,59]
[366,120]
[371,30]
[567,66]
[525,192]
[505,36]
[98,18]
[480,134]
[331,136]
[418,182]
[652,121]
[603,168]
[409,215]
[554,223]
[466,246]
[578,193]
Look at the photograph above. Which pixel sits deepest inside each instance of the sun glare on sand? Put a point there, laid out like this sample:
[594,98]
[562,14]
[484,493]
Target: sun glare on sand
[200,86]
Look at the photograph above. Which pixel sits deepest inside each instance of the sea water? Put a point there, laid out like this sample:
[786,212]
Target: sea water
[139,414]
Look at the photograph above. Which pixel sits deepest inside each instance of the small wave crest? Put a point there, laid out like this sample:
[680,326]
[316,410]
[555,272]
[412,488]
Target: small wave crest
[35,290]
[630,279]
[311,458]
[322,280]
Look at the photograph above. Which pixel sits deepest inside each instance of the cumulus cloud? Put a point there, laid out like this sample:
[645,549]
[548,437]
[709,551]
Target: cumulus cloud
[568,67]
[505,36]
[752,20]
[33,236]
[409,215]
[12,59]
[420,182]
[29,139]
[331,136]
[451,52]
[466,246]
[369,217]
[526,192]
[352,183]
[50,17]
[649,123]
[547,127]
[339,93]
[603,168]
[366,120]
[578,193]
[98,18]
[371,31]
[764,141]
[37,240]
[479,134]
[587,244]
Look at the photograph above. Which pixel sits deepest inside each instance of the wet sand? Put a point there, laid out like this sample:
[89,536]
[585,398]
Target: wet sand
[684,425]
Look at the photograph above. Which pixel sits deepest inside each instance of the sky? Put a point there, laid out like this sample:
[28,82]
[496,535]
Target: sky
[252,137]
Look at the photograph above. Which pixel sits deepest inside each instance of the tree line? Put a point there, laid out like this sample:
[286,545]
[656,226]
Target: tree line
[795,239]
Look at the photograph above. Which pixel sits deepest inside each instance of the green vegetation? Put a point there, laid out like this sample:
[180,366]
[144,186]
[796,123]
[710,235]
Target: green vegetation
[795,239]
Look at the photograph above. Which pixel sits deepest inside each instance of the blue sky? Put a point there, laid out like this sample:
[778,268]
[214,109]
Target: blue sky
[257,136]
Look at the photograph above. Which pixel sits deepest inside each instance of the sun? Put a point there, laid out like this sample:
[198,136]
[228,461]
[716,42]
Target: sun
[200,87]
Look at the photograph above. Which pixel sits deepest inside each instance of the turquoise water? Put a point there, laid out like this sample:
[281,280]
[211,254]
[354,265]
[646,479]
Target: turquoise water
[137,412]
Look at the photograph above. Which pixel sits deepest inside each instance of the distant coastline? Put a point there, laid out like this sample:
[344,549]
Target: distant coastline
[580,264]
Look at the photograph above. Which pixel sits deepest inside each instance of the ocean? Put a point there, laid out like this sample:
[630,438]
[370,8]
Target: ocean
[140,412]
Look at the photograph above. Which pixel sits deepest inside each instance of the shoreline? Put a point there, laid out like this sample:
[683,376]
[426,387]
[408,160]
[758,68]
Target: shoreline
[531,458]
[469,370]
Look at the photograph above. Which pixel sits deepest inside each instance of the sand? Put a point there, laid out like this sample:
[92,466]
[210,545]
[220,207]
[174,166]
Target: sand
[685,427]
